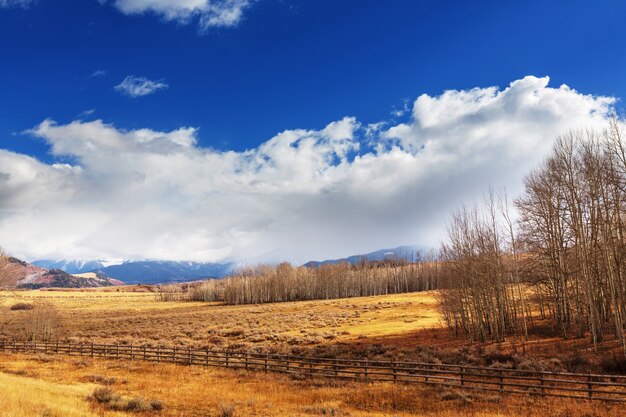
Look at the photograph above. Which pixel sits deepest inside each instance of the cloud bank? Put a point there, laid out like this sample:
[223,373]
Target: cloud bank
[301,195]
[139,86]
[210,13]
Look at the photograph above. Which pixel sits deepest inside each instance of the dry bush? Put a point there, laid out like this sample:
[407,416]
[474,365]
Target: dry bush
[614,364]
[22,307]
[42,323]
[101,379]
[226,410]
[117,402]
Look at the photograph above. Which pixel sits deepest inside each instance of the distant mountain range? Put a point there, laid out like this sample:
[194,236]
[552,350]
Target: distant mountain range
[143,272]
[158,272]
[153,272]
[409,253]
[16,273]
[72,266]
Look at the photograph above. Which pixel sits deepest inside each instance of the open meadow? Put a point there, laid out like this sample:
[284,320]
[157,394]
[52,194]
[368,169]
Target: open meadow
[139,318]
[393,327]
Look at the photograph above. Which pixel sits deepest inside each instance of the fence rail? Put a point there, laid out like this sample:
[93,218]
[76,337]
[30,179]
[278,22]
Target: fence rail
[550,384]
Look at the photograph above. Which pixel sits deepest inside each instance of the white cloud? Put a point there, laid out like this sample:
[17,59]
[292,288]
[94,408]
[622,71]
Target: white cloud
[139,86]
[210,13]
[300,195]
[17,3]
[98,73]
[86,113]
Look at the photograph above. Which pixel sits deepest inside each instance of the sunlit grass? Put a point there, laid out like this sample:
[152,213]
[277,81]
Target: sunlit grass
[61,386]
[138,318]
[23,396]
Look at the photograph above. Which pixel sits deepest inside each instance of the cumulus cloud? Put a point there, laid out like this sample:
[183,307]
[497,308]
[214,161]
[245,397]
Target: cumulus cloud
[210,13]
[301,195]
[139,86]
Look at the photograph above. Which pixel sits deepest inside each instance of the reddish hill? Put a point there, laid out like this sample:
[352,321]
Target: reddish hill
[15,273]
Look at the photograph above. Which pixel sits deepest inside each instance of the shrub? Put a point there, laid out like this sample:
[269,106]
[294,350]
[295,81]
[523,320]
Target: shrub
[104,395]
[156,405]
[116,402]
[22,306]
[614,365]
[227,410]
[136,404]
[101,379]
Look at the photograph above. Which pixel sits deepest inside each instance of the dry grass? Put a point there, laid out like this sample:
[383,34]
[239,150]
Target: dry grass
[61,386]
[405,326]
[138,318]
[23,396]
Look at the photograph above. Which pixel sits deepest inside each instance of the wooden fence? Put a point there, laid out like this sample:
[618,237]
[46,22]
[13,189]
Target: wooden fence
[552,384]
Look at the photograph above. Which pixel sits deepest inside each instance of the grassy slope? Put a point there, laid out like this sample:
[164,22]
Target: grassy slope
[60,385]
[23,396]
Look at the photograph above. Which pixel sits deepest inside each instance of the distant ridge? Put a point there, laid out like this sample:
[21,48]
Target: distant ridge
[159,272]
[72,266]
[409,253]
[162,272]
[16,273]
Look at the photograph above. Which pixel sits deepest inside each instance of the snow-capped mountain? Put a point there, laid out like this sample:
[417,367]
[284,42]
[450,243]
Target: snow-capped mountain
[19,274]
[73,266]
[142,272]
[409,253]
[155,272]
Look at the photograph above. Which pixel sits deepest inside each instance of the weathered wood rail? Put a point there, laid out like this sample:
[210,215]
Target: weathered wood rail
[550,384]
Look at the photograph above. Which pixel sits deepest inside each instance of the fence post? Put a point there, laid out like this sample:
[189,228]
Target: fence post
[189,354]
[501,381]
[206,357]
[462,372]
[393,369]
[366,368]
[266,362]
[226,358]
[92,353]
[590,385]
[158,354]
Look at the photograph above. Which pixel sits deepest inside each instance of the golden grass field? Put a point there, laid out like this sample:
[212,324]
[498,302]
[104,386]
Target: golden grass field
[60,387]
[140,319]
[49,386]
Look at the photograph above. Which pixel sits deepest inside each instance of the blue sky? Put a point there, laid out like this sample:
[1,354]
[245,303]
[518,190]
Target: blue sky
[280,65]
[291,64]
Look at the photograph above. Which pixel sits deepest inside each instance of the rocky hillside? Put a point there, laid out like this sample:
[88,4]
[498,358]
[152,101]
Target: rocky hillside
[15,273]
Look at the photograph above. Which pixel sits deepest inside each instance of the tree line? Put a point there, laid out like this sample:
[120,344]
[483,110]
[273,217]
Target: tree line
[568,244]
[284,282]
